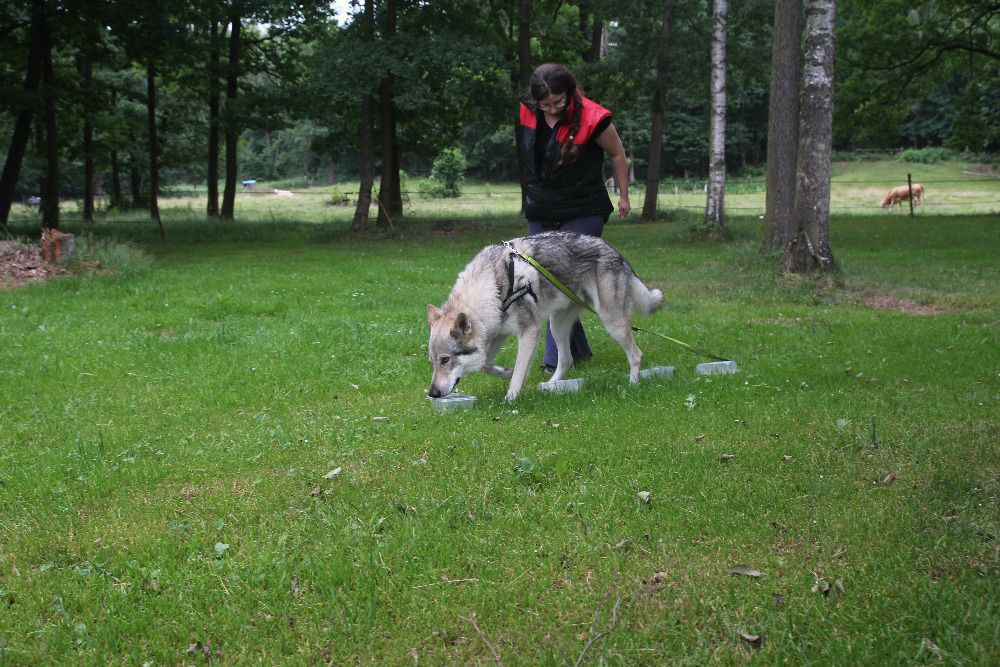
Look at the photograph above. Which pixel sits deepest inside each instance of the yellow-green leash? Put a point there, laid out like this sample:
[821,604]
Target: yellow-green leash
[551,277]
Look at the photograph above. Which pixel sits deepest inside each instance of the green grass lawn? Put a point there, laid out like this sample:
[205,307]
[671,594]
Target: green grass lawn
[223,452]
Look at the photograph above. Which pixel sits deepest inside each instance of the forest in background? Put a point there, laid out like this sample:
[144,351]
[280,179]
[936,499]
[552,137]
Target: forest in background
[287,83]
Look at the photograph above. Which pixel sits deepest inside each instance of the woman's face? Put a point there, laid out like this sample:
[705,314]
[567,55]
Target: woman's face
[553,105]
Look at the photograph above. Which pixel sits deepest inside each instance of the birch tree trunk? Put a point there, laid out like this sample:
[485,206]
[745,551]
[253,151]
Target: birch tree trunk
[367,139]
[808,249]
[232,117]
[214,116]
[659,107]
[714,209]
[783,122]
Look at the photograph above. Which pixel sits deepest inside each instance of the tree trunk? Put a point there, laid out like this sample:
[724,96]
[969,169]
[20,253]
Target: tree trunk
[367,139]
[212,205]
[135,184]
[22,125]
[783,123]
[389,196]
[50,184]
[524,10]
[591,30]
[154,149]
[117,202]
[367,165]
[808,249]
[714,206]
[85,67]
[232,81]
[659,107]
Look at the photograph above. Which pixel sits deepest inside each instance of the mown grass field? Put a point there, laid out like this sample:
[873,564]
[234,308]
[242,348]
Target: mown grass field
[227,456]
[857,188]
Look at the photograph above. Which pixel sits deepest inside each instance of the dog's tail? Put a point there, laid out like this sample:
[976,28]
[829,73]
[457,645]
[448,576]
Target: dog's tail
[645,300]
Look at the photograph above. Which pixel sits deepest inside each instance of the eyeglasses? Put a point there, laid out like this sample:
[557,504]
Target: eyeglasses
[557,106]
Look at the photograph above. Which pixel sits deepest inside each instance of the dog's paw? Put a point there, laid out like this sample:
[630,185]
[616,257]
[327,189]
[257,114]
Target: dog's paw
[499,371]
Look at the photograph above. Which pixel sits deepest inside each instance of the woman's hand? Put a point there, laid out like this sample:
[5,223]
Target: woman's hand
[623,206]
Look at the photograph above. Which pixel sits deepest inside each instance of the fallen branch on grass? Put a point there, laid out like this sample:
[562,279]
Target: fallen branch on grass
[601,635]
[472,620]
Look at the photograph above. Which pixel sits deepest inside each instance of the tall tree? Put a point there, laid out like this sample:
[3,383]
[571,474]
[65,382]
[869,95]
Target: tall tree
[390,198]
[154,146]
[85,67]
[929,80]
[367,140]
[50,183]
[783,122]
[714,212]
[231,126]
[808,249]
[659,108]
[214,113]
[523,80]
[591,29]
[22,124]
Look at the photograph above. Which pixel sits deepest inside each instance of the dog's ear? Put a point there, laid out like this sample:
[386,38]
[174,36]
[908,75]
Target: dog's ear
[463,326]
[433,314]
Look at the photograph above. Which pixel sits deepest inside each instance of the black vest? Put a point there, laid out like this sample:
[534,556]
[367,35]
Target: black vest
[556,194]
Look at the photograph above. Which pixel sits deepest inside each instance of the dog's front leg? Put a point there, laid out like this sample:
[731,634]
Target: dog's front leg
[527,341]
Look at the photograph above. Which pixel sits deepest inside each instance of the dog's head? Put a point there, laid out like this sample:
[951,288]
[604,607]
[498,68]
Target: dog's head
[453,350]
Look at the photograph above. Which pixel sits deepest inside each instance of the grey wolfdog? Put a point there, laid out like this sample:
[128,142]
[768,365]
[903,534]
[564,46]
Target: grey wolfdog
[499,294]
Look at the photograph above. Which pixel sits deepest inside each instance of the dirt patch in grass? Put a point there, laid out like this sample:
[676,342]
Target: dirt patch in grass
[905,306]
[21,264]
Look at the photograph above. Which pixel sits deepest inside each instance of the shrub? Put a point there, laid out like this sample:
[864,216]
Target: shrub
[927,155]
[447,174]
[121,259]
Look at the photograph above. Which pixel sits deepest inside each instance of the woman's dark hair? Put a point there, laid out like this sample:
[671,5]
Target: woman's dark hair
[553,79]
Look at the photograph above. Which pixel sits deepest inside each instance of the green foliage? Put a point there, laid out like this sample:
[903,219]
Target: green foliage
[446,176]
[927,155]
[916,74]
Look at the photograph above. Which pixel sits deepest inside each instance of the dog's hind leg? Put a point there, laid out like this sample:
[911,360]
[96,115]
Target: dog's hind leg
[527,341]
[561,325]
[621,331]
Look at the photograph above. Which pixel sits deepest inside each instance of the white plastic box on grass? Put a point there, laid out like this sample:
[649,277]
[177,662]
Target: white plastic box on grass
[657,371]
[453,402]
[561,385]
[717,368]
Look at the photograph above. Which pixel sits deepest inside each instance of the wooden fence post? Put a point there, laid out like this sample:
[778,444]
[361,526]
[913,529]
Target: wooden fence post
[909,184]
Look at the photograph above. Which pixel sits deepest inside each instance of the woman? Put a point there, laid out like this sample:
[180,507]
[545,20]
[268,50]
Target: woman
[564,137]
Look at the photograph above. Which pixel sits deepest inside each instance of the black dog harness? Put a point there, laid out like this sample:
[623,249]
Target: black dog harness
[512,294]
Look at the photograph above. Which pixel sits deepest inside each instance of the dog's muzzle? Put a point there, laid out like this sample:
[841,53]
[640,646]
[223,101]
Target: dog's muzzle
[434,392]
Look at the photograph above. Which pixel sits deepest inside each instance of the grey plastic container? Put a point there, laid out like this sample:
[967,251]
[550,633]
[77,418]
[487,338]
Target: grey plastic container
[717,368]
[562,385]
[657,371]
[453,402]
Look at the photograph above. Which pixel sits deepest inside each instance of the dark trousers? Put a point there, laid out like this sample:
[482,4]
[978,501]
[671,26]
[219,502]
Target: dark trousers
[578,345]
